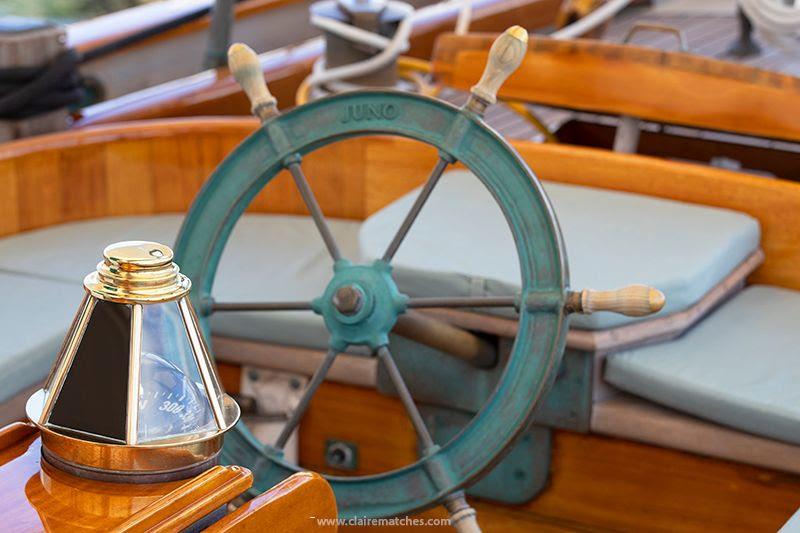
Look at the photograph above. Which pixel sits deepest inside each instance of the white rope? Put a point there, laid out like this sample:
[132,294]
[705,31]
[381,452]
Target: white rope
[464,17]
[776,22]
[389,49]
[772,15]
[334,78]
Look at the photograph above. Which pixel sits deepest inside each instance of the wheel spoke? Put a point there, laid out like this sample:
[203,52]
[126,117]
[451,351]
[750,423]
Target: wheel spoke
[423,196]
[260,306]
[468,301]
[302,406]
[314,209]
[405,397]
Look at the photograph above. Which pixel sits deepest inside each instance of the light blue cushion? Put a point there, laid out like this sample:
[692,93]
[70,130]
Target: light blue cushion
[278,258]
[461,244]
[34,317]
[68,252]
[268,258]
[740,366]
[793,525]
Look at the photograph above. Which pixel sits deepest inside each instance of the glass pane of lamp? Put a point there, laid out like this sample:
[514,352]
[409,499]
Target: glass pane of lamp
[172,399]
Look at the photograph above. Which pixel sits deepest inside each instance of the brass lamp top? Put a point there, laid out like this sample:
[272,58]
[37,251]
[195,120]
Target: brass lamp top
[137,272]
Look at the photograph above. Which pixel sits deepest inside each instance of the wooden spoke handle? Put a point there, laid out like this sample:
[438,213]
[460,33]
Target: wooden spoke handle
[246,68]
[442,336]
[633,300]
[505,56]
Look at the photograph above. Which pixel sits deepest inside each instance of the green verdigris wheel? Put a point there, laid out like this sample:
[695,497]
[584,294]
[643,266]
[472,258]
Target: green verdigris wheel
[459,135]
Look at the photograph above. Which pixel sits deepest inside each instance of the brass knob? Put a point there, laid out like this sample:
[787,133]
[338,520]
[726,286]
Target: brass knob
[134,255]
[137,272]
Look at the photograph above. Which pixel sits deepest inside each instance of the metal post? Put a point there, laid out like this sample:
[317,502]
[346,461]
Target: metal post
[626,140]
[745,45]
[219,34]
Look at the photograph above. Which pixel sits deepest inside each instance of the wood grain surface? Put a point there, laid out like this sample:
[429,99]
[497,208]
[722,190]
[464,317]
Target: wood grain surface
[158,166]
[596,483]
[664,86]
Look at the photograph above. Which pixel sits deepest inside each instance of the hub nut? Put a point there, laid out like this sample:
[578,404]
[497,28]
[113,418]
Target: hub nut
[348,300]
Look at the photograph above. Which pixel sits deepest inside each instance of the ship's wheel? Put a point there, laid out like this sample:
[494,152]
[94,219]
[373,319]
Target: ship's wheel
[362,302]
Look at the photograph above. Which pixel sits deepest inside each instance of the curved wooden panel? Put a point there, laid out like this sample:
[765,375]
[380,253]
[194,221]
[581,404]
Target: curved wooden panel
[216,93]
[191,501]
[38,497]
[145,168]
[158,166]
[302,502]
[670,87]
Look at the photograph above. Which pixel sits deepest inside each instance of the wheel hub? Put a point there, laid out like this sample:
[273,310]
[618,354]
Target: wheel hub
[360,305]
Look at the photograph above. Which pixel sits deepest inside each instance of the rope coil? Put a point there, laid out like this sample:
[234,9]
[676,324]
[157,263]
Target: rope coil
[30,91]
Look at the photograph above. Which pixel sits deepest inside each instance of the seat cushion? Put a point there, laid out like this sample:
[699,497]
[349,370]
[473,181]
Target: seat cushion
[461,244]
[268,258]
[34,318]
[68,252]
[278,258]
[739,367]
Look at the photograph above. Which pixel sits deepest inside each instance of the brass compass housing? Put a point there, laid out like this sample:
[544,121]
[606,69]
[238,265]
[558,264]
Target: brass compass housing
[133,394]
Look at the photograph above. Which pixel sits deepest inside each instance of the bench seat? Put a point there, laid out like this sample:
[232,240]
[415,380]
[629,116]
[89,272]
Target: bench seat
[268,258]
[739,367]
[461,244]
[612,239]
[33,320]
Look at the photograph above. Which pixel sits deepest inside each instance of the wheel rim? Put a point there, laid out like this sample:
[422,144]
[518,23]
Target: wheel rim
[537,350]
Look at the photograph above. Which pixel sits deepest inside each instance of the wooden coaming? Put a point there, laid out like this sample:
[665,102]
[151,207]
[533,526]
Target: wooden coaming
[301,502]
[156,167]
[663,86]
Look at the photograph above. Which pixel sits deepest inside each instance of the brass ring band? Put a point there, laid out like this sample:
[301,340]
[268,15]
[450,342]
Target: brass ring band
[98,474]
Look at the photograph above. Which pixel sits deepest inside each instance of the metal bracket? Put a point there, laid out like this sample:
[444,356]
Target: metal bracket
[519,477]
[274,396]
[341,454]
[438,379]
[450,391]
